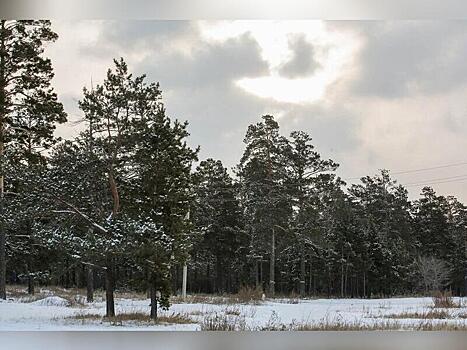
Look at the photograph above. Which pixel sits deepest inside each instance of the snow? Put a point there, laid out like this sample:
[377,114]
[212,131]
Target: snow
[54,313]
[52,301]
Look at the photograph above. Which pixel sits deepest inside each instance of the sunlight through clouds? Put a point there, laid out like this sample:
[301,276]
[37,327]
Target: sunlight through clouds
[332,50]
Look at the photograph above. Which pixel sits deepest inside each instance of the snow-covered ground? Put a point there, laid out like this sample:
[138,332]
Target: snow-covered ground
[55,313]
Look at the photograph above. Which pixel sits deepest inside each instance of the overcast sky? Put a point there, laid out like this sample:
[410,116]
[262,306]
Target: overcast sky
[372,94]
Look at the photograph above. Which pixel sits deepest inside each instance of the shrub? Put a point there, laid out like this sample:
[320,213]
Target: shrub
[248,294]
[444,300]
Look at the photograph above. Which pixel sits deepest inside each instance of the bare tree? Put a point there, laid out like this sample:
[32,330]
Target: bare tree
[434,273]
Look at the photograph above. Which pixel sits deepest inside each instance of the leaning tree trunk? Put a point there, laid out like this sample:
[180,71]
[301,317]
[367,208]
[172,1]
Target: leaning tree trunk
[109,289]
[90,284]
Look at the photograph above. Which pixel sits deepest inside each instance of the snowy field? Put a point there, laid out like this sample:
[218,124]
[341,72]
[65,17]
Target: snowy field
[56,313]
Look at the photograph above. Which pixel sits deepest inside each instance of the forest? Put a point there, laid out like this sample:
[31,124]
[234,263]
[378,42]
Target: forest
[127,203]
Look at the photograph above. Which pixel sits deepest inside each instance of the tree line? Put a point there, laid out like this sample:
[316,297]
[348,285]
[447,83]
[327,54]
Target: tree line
[127,203]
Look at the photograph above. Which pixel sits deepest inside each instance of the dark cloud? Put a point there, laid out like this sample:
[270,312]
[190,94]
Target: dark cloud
[302,62]
[125,36]
[406,57]
[199,84]
[207,64]
[198,80]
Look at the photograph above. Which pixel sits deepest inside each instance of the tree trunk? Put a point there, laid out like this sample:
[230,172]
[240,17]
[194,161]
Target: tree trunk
[30,279]
[342,277]
[109,290]
[346,289]
[272,265]
[2,199]
[256,274]
[77,277]
[364,284]
[184,280]
[302,275]
[220,271]
[30,284]
[311,285]
[90,285]
[153,295]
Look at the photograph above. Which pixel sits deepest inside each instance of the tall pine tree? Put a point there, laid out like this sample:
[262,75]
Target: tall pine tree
[29,107]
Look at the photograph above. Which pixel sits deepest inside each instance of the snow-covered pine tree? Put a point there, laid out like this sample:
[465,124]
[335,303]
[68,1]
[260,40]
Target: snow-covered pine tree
[306,168]
[221,241]
[29,107]
[263,172]
[159,184]
[383,210]
[111,112]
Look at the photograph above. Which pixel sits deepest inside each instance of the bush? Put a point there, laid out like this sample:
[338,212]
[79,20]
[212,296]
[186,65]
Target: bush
[248,294]
[444,300]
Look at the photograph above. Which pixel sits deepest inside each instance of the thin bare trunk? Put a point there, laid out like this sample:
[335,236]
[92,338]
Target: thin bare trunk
[272,281]
[342,275]
[153,295]
[184,280]
[256,274]
[30,277]
[302,275]
[364,284]
[90,285]
[109,289]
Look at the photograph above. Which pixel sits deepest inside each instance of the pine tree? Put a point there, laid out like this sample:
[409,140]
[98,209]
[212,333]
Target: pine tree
[218,223]
[307,169]
[29,107]
[263,173]
[383,209]
[439,227]
[110,111]
[160,188]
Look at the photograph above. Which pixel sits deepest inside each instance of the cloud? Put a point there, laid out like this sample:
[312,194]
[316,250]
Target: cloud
[302,62]
[206,64]
[411,57]
[398,102]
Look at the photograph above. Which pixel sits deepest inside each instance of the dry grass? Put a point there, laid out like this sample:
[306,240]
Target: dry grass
[234,311]
[196,313]
[427,315]
[248,295]
[380,326]
[445,300]
[131,295]
[200,299]
[344,326]
[138,317]
[444,326]
[75,296]
[222,322]
[16,291]
[245,295]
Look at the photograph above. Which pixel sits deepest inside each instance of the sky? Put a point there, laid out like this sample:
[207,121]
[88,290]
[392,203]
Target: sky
[372,94]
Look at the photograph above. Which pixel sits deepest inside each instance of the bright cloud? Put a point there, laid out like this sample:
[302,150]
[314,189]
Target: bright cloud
[333,50]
